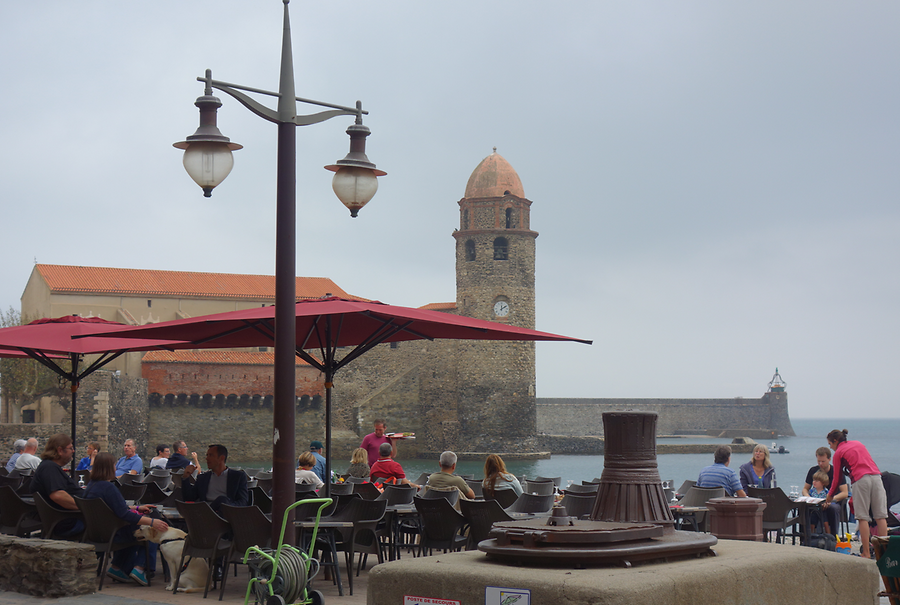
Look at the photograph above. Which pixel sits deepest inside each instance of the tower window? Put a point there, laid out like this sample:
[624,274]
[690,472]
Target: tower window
[510,219]
[470,250]
[501,249]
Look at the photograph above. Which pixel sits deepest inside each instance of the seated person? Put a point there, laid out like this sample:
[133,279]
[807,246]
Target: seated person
[359,464]
[496,477]
[304,475]
[162,456]
[823,463]
[719,475]
[86,463]
[819,489]
[127,563]
[386,468]
[219,485]
[130,463]
[445,479]
[758,472]
[55,485]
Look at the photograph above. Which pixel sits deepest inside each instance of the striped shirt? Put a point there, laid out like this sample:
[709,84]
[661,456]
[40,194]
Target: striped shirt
[719,475]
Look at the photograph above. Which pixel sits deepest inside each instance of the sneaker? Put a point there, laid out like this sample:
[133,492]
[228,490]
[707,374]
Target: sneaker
[118,575]
[139,577]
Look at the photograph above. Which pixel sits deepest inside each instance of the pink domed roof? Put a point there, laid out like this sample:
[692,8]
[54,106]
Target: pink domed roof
[493,178]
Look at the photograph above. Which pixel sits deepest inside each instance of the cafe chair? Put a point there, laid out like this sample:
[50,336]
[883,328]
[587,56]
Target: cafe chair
[100,528]
[367,491]
[778,515]
[541,488]
[251,527]
[206,538]
[504,497]
[699,496]
[476,486]
[51,517]
[591,488]
[17,517]
[529,503]
[398,494]
[481,516]
[556,480]
[259,497]
[579,505]
[450,495]
[441,525]
[341,489]
[133,491]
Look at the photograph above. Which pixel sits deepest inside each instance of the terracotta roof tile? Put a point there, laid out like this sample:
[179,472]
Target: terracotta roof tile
[147,282]
[439,306]
[252,358]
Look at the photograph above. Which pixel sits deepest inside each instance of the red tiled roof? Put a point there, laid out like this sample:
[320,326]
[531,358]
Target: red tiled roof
[146,282]
[439,306]
[250,358]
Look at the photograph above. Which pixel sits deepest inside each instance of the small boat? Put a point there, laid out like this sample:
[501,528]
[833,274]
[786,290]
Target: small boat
[778,449]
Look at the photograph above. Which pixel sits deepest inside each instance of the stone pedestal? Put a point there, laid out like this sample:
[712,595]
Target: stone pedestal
[736,518]
[743,572]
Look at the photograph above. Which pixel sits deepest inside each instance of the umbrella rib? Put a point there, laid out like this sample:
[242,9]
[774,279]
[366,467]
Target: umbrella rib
[42,358]
[385,331]
[104,359]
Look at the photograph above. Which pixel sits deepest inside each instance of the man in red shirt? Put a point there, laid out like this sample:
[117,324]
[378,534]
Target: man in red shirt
[386,468]
[373,441]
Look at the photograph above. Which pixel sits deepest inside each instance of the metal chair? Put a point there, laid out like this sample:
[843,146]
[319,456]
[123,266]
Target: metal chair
[529,503]
[579,505]
[251,527]
[777,514]
[17,517]
[205,539]
[100,528]
[52,516]
[481,516]
[541,488]
[441,525]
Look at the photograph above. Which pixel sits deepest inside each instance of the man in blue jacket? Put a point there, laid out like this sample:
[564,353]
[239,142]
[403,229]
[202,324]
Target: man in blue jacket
[219,485]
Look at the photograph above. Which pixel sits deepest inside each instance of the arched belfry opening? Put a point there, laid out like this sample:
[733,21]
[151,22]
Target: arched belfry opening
[470,250]
[501,249]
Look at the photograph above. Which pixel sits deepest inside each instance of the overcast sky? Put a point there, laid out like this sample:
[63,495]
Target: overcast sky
[715,183]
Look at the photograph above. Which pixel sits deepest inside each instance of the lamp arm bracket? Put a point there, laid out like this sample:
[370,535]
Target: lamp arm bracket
[272,115]
[251,104]
[315,118]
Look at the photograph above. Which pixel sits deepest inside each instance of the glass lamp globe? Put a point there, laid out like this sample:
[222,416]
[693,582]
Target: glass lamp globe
[208,163]
[354,186]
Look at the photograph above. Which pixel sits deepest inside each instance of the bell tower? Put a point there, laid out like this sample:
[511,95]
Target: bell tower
[495,250]
[495,246]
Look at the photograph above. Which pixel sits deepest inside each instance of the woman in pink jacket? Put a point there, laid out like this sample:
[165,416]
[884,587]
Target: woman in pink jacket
[868,489]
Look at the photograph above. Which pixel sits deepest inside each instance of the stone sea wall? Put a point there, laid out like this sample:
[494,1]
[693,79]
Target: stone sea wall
[584,417]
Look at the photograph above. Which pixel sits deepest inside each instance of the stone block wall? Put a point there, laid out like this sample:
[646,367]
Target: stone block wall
[561,416]
[47,568]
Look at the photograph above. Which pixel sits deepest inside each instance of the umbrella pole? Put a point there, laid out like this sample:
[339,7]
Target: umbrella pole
[328,384]
[74,368]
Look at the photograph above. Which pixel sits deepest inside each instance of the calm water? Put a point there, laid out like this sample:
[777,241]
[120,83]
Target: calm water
[879,436]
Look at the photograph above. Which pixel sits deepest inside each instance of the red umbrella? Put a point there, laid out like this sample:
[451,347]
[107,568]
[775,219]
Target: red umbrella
[50,340]
[324,325]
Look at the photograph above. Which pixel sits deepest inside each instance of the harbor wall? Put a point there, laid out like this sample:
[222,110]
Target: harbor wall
[576,417]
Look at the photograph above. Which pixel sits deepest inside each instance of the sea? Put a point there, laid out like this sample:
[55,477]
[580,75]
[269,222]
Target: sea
[880,436]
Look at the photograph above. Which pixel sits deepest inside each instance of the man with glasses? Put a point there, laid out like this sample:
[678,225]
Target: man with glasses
[179,459]
[55,485]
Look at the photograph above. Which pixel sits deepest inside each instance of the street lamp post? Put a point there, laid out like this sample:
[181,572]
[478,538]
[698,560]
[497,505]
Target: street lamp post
[207,159]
